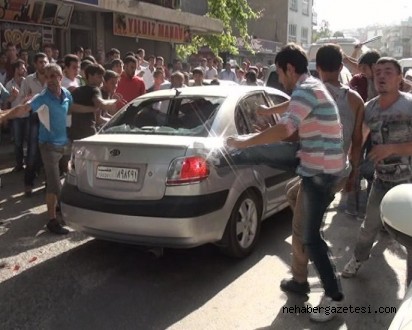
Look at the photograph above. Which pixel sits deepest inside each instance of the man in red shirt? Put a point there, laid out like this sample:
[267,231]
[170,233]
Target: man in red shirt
[130,86]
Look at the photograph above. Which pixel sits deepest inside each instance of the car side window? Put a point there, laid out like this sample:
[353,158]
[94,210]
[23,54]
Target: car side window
[247,120]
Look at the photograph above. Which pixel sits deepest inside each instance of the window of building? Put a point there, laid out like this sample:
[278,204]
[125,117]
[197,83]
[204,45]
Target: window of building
[305,7]
[294,5]
[292,33]
[304,35]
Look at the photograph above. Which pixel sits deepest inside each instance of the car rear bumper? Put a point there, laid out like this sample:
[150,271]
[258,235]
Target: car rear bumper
[97,217]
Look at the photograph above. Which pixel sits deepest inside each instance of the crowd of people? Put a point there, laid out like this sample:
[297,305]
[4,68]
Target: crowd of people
[332,123]
[88,90]
[336,134]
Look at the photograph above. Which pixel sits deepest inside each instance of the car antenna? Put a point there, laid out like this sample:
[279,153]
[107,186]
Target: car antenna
[177,92]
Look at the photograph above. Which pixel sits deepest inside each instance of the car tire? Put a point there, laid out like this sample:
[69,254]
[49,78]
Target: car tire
[243,227]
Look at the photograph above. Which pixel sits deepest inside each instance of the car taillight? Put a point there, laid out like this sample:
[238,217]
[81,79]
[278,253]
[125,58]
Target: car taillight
[187,170]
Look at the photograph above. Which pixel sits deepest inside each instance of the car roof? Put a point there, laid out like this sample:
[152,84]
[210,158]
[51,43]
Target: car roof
[217,90]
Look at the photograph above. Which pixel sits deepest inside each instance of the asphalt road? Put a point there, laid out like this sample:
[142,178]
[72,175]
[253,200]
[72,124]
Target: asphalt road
[75,282]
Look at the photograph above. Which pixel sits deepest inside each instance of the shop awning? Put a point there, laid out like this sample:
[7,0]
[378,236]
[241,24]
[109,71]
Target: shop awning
[198,24]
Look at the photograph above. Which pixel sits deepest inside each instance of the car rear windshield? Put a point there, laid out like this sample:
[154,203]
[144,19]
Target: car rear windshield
[187,116]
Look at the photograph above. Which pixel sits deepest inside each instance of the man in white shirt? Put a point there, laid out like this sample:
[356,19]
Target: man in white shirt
[227,74]
[70,72]
[148,72]
[211,72]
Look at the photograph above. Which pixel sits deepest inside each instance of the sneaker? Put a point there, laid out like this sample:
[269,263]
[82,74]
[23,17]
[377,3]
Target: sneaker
[55,227]
[293,286]
[28,191]
[350,213]
[326,310]
[360,217]
[351,268]
[17,168]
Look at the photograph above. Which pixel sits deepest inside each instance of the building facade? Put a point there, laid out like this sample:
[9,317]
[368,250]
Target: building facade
[155,25]
[281,21]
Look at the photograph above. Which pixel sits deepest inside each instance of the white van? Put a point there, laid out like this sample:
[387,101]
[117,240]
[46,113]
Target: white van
[406,64]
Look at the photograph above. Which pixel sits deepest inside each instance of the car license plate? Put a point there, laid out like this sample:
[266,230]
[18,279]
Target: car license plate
[117,173]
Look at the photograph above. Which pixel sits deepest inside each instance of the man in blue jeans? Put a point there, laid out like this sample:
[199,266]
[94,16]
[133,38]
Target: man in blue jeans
[389,120]
[320,161]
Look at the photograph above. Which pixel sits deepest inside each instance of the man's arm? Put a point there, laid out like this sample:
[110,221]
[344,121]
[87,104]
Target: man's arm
[357,135]
[358,107]
[276,109]
[271,135]
[78,108]
[106,105]
[15,112]
[382,151]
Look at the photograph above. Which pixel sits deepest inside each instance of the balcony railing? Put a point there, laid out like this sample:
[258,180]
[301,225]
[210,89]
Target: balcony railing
[173,4]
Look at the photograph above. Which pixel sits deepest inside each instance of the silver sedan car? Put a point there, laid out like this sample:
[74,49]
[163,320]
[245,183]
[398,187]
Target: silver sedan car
[153,174]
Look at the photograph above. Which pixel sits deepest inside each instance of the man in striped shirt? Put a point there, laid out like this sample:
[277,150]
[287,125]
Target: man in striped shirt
[313,115]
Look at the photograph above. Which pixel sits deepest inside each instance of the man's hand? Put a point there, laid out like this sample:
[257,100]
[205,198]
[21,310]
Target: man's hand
[235,143]
[262,110]
[21,110]
[380,152]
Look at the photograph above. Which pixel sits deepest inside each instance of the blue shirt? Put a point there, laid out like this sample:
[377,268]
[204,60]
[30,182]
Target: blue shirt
[58,109]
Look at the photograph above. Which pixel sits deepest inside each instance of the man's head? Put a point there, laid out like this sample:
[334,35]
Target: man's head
[151,60]
[24,55]
[110,81]
[387,75]
[88,52]
[130,65]
[329,61]
[159,77]
[291,62]
[240,74]
[94,75]
[11,52]
[228,67]
[203,62]
[177,78]
[83,65]
[177,65]
[198,76]
[160,62]
[210,62]
[367,61]
[54,75]
[71,66]
[251,78]
[79,51]
[113,54]
[117,66]
[47,49]
[141,53]
[40,61]
[55,53]
[19,68]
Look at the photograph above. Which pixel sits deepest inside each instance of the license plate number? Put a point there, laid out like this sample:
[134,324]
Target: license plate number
[117,173]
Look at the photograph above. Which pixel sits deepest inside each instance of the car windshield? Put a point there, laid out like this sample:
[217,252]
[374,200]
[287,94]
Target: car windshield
[187,116]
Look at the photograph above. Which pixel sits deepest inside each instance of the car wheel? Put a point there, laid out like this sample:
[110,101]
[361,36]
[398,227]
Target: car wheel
[243,227]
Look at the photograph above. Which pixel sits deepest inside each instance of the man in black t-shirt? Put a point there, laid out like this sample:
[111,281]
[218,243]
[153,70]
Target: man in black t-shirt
[84,124]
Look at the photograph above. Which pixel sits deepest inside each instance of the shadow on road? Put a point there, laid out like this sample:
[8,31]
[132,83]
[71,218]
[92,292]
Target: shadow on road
[105,285]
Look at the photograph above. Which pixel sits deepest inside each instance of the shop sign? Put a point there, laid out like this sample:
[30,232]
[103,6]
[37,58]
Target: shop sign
[89,2]
[27,38]
[131,26]
[36,12]
[261,45]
